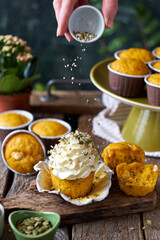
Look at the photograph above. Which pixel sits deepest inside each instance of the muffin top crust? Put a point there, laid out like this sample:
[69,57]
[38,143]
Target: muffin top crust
[130,66]
[137,53]
[154,79]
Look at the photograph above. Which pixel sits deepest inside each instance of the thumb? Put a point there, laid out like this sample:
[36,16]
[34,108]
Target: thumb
[109,10]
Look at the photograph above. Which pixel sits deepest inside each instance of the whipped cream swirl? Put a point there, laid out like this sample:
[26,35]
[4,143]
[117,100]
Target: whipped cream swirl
[74,157]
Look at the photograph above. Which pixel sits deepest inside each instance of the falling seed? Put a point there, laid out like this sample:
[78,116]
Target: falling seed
[63,59]
[131,228]
[79,84]
[72,78]
[64,77]
[71,68]
[149,222]
[72,82]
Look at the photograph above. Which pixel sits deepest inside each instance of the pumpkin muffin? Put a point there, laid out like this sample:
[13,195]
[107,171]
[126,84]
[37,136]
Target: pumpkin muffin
[12,119]
[72,164]
[156,65]
[126,77]
[157,51]
[130,66]
[137,53]
[49,128]
[117,153]
[137,179]
[22,151]
[153,89]
[154,79]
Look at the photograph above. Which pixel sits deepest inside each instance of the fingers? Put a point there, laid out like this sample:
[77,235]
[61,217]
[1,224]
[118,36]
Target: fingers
[57,6]
[109,10]
[64,14]
[68,36]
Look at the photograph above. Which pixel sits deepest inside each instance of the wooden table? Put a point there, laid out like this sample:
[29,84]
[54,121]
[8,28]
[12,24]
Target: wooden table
[78,108]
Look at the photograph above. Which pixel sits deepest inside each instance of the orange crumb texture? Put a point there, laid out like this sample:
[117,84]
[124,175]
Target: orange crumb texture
[22,152]
[73,188]
[137,179]
[49,128]
[116,153]
[156,65]
[130,66]
[154,79]
[12,120]
[137,53]
[157,51]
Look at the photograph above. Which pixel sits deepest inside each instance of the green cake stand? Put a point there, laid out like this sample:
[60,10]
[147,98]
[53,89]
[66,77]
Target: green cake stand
[142,127]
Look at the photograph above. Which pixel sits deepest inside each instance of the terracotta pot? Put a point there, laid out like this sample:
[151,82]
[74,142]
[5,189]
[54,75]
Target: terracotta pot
[16,101]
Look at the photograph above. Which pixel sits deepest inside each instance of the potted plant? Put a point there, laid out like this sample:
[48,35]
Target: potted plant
[17,72]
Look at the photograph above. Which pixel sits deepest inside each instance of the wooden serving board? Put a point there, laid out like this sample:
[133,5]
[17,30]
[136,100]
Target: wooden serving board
[116,204]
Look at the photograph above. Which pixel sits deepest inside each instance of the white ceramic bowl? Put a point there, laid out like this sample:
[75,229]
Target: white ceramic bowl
[6,140]
[48,141]
[89,19]
[1,219]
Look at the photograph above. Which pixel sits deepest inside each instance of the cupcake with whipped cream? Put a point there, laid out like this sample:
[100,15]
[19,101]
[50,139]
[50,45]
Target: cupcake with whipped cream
[73,163]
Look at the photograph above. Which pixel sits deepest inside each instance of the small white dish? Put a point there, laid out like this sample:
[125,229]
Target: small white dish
[1,219]
[89,19]
[102,183]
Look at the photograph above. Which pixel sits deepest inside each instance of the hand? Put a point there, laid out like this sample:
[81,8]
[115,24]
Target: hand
[64,8]
[109,10]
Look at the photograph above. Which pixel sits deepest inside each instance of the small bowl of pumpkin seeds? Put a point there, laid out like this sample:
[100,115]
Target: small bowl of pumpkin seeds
[36,225]
[86,24]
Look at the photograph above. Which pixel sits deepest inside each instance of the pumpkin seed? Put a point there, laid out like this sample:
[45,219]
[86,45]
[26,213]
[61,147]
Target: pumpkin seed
[84,36]
[33,226]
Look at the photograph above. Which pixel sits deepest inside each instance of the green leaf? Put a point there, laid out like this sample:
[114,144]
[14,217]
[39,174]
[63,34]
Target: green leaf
[9,84]
[39,87]
[117,43]
[9,71]
[26,82]
[152,26]
[30,68]
[154,39]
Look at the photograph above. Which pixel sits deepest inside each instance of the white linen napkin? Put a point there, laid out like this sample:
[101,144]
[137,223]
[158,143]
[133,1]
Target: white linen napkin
[108,122]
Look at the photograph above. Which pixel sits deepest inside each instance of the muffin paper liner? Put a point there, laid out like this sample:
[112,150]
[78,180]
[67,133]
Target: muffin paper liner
[126,86]
[153,94]
[100,188]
